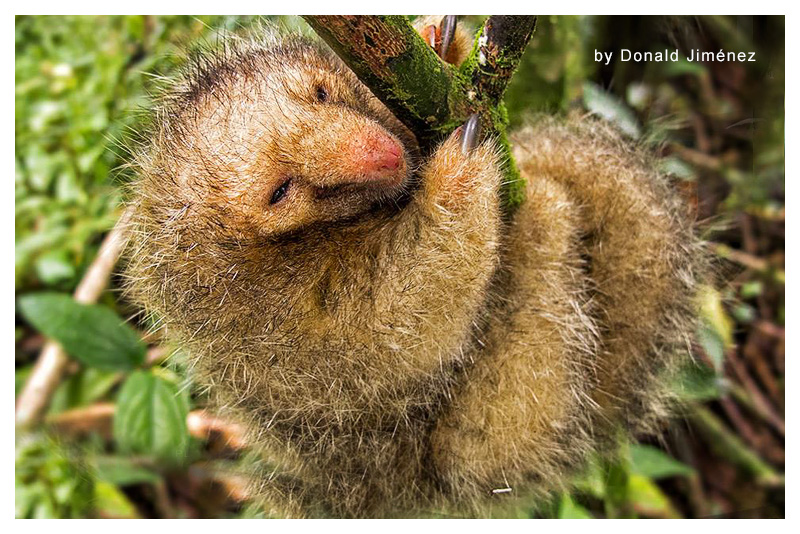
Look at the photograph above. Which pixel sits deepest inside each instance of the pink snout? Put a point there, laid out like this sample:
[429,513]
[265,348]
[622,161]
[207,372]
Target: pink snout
[375,155]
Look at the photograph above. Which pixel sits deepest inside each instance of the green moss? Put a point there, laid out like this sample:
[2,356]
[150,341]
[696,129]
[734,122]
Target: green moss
[513,189]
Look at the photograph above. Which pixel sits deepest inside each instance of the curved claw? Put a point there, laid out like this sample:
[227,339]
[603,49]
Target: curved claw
[470,135]
[447,31]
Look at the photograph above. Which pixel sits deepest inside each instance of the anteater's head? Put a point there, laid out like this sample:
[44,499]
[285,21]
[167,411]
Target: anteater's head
[268,139]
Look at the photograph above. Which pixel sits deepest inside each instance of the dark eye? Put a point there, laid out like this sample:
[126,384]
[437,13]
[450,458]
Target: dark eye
[279,193]
[322,94]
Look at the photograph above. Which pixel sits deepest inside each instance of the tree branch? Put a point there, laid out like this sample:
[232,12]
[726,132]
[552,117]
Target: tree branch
[431,97]
[390,58]
[495,58]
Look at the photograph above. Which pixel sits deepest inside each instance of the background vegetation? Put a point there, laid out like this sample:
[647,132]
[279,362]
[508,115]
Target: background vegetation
[125,434]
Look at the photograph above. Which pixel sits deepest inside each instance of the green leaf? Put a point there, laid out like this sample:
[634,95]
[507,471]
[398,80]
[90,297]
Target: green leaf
[83,388]
[92,334]
[54,267]
[648,499]
[712,344]
[654,463]
[698,382]
[716,333]
[752,289]
[49,479]
[592,479]
[124,472]
[743,313]
[616,495]
[569,509]
[611,108]
[110,502]
[151,417]
[677,167]
[684,66]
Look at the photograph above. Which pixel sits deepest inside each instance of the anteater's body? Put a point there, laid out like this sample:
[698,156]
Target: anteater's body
[391,342]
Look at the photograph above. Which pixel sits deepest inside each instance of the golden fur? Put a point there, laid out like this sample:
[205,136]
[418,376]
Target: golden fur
[400,348]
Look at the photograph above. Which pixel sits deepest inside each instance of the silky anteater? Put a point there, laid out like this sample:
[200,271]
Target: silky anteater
[392,342]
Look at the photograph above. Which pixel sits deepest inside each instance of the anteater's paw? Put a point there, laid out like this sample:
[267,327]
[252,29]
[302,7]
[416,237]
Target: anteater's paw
[464,169]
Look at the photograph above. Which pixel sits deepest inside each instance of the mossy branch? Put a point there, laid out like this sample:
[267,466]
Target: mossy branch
[496,55]
[388,55]
[429,96]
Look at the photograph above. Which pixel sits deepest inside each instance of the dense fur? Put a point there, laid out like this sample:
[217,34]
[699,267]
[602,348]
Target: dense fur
[399,348]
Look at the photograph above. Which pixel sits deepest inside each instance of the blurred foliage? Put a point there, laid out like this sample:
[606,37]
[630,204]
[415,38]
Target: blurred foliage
[124,447]
[48,483]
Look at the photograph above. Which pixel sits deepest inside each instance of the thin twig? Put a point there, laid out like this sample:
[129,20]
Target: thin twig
[742,426]
[729,446]
[79,422]
[156,355]
[744,398]
[97,418]
[694,485]
[758,398]
[162,500]
[754,354]
[755,263]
